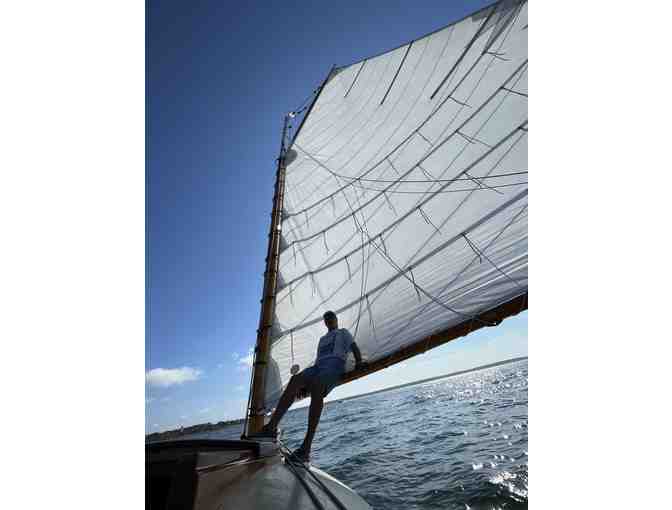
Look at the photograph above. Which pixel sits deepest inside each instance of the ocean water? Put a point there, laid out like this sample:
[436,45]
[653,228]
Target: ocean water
[453,443]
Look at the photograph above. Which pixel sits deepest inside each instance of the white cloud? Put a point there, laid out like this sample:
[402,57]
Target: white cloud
[165,377]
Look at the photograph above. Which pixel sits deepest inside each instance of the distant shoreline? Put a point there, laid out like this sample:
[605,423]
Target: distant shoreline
[207,427]
[461,372]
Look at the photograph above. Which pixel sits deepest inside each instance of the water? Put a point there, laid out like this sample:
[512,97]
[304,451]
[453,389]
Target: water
[454,443]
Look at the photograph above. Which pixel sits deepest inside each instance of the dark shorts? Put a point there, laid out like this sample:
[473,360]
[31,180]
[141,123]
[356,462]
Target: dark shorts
[328,371]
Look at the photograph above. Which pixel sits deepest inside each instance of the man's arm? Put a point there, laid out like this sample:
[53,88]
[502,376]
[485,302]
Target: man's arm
[359,363]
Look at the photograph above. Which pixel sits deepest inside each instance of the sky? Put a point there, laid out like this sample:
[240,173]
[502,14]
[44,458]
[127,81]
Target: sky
[219,78]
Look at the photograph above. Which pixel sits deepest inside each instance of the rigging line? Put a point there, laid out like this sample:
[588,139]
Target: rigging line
[515,92]
[402,272]
[427,42]
[463,78]
[419,313]
[479,188]
[416,101]
[304,324]
[434,149]
[438,107]
[485,186]
[408,49]
[326,264]
[342,109]
[513,219]
[425,181]
[466,199]
[478,60]
[480,253]
[310,109]
[365,271]
[367,102]
[508,23]
[381,123]
[497,163]
[356,76]
[471,69]
[465,51]
[421,203]
[492,114]
[471,165]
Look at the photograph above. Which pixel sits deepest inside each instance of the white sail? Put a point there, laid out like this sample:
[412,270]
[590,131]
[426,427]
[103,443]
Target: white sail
[405,205]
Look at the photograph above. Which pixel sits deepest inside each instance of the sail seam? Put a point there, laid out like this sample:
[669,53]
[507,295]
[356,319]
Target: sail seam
[411,211]
[355,80]
[370,201]
[450,95]
[456,278]
[466,50]
[401,64]
[382,122]
[423,259]
[485,103]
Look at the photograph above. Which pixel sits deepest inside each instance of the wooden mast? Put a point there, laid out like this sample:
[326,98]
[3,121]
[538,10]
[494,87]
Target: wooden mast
[256,410]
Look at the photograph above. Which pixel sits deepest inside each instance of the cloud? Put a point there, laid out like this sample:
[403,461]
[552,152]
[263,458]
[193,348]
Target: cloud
[206,410]
[164,377]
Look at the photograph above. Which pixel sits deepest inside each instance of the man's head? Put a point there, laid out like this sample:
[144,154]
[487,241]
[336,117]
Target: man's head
[330,320]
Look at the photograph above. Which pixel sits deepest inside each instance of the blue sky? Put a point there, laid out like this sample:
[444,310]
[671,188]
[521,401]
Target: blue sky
[219,79]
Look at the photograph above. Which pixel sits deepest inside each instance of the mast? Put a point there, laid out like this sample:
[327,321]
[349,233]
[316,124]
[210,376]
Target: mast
[256,404]
[256,409]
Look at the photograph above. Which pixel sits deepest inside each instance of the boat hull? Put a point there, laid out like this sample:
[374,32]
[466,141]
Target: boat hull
[217,475]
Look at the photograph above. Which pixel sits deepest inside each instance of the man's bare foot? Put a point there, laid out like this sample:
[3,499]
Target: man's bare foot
[302,454]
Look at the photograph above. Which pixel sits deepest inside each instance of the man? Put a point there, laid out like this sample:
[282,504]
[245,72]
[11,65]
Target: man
[318,381]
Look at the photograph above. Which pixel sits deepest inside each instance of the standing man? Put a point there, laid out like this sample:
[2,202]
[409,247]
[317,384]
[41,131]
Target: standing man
[318,380]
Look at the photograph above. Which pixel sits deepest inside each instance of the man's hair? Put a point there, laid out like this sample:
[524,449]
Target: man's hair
[329,315]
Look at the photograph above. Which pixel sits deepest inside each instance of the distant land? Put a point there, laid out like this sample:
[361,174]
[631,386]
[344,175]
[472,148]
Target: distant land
[490,365]
[207,427]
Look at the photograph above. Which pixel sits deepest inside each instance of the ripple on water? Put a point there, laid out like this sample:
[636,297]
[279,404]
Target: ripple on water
[435,446]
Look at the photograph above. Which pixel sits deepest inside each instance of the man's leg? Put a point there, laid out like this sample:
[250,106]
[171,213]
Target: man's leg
[316,404]
[293,387]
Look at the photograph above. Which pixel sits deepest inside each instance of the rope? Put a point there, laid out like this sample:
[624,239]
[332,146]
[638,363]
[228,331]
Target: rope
[402,273]
[459,274]
[468,73]
[420,161]
[461,190]
[485,103]
[480,253]
[402,218]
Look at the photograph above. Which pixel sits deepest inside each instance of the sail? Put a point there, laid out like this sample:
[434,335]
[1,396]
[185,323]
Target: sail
[405,206]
